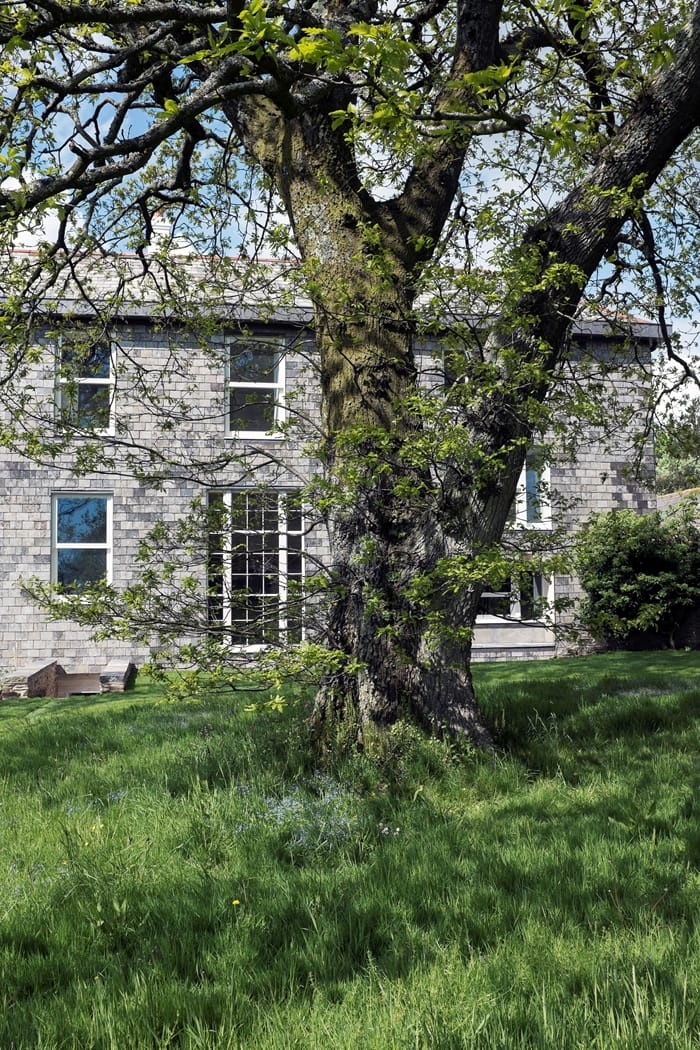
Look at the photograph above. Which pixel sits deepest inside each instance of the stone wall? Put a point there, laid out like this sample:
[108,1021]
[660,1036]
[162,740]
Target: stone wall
[195,380]
[186,419]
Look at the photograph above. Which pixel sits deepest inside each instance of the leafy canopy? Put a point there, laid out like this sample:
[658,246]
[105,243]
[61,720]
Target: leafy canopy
[678,448]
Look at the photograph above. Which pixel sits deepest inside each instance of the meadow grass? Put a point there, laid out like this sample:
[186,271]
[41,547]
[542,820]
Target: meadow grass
[190,875]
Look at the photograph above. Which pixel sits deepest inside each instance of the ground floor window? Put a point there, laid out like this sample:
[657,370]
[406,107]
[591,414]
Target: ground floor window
[256,566]
[515,598]
[82,540]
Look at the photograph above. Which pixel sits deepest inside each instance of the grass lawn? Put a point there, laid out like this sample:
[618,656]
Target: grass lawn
[188,875]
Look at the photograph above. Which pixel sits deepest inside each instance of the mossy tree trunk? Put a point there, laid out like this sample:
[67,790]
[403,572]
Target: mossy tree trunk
[384,520]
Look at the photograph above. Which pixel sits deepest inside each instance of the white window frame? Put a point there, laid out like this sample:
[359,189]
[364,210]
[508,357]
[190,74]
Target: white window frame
[227,594]
[540,586]
[525,499]
[277,341]
[540,592]
[57,546]
[66,385]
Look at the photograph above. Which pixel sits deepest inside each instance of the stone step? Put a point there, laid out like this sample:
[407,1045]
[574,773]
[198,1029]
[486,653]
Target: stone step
[117,676]
[38,679]
[48,678]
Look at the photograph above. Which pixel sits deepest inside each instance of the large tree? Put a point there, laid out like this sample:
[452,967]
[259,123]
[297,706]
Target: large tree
[525,141]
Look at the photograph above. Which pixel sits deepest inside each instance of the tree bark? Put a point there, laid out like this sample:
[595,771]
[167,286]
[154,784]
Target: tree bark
[393,524]
[387,512]
[399,664]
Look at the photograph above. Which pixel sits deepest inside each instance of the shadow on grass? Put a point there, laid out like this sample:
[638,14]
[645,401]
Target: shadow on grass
[489,853]
[177,742]
[555,713]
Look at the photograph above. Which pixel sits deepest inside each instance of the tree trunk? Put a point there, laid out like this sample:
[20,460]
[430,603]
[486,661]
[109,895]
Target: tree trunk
[392,522]
[395,518]
[405,658]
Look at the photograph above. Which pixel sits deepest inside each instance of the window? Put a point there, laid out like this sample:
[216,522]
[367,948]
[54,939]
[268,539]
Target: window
[521,598]
[496,600]
[255,384]
[82,540]
[256,566]
[85,384]
[531,596]
[532,505]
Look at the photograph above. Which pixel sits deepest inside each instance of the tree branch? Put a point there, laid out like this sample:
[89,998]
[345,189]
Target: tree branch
[50,16]
[431,185]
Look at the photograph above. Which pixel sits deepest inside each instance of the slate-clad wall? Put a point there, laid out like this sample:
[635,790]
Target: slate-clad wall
[196,380]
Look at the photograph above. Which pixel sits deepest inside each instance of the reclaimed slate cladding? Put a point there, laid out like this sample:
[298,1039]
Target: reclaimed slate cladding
[149,339]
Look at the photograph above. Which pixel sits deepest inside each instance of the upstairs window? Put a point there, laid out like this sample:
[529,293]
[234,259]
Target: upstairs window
[532,508]
[256,566]
[255,385]
[85,383]
[82,540]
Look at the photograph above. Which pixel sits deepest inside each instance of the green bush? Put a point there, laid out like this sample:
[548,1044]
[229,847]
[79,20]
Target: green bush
[641,574]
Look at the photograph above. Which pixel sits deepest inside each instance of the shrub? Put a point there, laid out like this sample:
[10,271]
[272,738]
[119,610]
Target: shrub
[641,574]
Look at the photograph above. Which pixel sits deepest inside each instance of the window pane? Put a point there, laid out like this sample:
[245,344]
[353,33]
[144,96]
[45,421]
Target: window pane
[270,612]
[87,361]
[252,409]
[78,568]
[293,517]
[270,512]
[97,361]
[494,605]
[534,480]
[239,514]
[255,512]
[216,584]
[255,541]
[532,496]
[239,562]
[253,361]
[531,594]
[272,573]
[93,407]
[241,634]
[81,519]
[216,518]
[255,565]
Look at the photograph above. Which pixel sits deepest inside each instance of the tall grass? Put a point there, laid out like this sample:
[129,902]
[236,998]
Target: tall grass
[188,875]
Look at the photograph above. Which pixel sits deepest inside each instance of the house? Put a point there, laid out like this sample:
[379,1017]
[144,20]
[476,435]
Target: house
[156,413]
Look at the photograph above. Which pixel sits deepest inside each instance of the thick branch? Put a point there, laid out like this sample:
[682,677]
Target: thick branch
[585,225]
[53,15]
[424,205]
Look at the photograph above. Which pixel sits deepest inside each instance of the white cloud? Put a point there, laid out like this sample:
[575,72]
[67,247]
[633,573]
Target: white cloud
[34,229]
